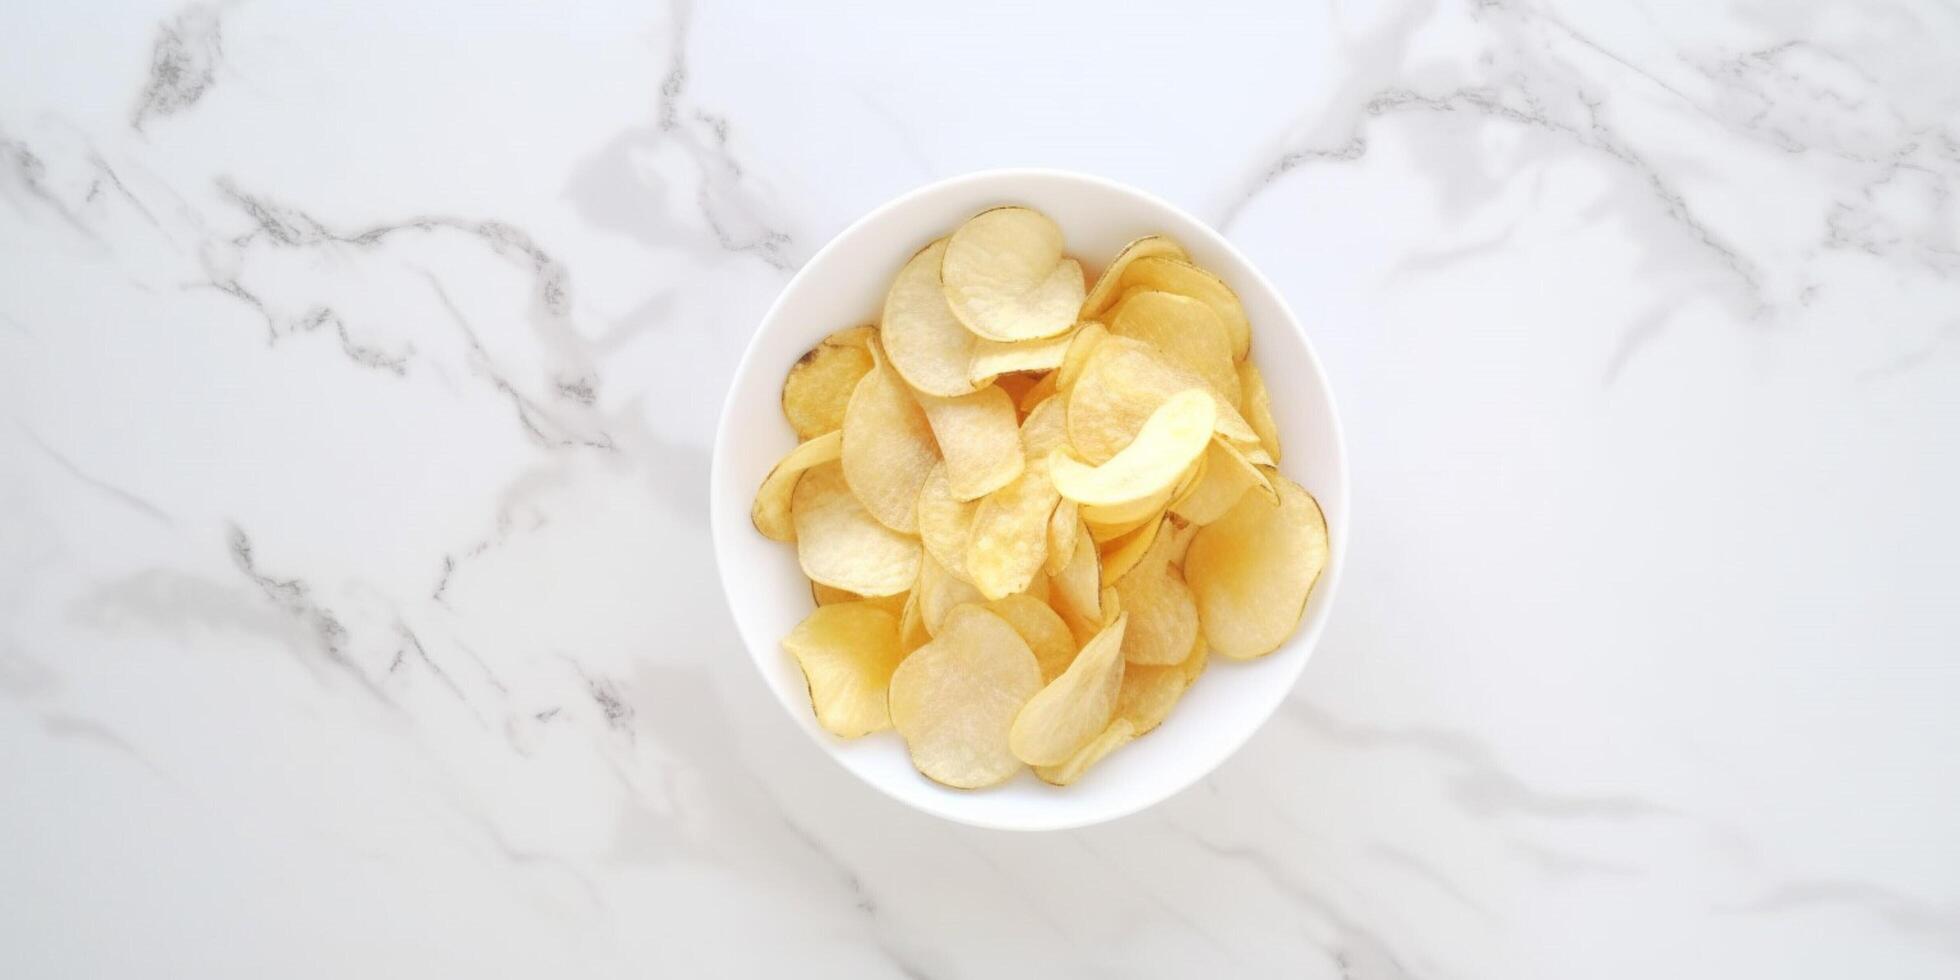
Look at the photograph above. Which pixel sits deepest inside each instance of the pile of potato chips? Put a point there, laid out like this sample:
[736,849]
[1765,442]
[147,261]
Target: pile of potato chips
[1029,510]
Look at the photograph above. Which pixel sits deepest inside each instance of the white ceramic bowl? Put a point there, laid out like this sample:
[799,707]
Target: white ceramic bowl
[844,285]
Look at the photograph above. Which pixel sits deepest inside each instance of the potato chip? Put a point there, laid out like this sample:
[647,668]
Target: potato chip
[939,593]
[993,357]
[1082,343]
[770,512]
[1188,483]
[1119,733]
[848,652]
[955,699]
[979,435]
[944,522]
[1038,588]
[1227,478]
[1018,384]
[1122,384]
[1121,554]
[840,544]
[1177,276]
[1253,569]
[1102,295]
[1186,332]
[1062,525]
[888,449]
[1042,628]
[912,632]
[819,384]
[1045,429]
[1074,707]
[1181,535]
[1040,392]
[1257,407]
[1006,278]
[1105,533]
[1149,467]
[828,595]
[925,342]
[1076,591]
[1163,615]
[1009,540]
[1112,604]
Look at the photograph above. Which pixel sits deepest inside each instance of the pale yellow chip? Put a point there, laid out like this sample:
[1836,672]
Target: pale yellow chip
[1076,591]
[1253,569]
[1121,554]
[1122,384]
[1103,294]
[1112,604]
[848,652]
[1181,535]
[1163,615]
[1045,429]
[770,512]
[888,448]
[912,632]
[1082,343]
[1188,483]
[927,345]
[1257,407]
[1062,527]
[830,595]
[1038,588]
[993,357]
[955,699]
[1039,392]
[1043,629]
[840,544]
[1186,332]
[939,593]
[1074,707]
[1227,478]
[1105,533]
[1119,733]
[1006,277]
[819,384]
[1009,540]
[1177,276]
[944,522]
[979,435]
[1150,691]
[1149,467]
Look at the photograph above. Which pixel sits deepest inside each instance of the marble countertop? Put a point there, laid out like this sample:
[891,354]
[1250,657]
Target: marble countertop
[358,372]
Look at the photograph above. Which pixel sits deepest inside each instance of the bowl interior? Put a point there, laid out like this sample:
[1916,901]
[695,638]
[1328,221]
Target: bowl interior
[844,285]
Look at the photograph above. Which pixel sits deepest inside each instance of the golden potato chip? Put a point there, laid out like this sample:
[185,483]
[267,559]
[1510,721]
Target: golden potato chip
[945,522]
[1169,441]
[1112,604]
[1163,615]
[1009,540]
[888,448]
[1186,332]
[827,595]
[1181,535]
[925,342]
[1038,588]
[993,357]
[1103,534]
[912,632]
[1006,278]
[1042,628]
[1121,554]
[955,699]
[1253,569]
[1177,276]
[1062,525]
[1074,707]
[819,384]
[1018,384]
[1188,483]
[1045,429]
[939,593]
[979,435]
[1227,477]
[1122,384]
[1149,692]
[848,652]
[1042,390]
[1076,591]
[770,512]
[1103,294]
[840,544]
[1082,343]
[1119,733]
[1257,407]
[1194,664]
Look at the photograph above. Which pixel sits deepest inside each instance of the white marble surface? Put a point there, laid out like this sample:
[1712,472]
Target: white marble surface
[358,369]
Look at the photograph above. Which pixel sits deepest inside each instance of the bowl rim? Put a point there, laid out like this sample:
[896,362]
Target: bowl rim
[1328,584]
